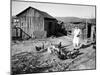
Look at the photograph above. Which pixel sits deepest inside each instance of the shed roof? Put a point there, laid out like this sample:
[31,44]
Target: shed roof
[45,15]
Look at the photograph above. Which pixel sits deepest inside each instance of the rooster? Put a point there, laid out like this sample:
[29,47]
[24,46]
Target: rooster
[39,48]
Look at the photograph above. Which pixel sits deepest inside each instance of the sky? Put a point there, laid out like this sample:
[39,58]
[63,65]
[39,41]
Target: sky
[56,10]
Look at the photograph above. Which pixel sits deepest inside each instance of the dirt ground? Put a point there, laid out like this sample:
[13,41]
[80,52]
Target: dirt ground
[25,58]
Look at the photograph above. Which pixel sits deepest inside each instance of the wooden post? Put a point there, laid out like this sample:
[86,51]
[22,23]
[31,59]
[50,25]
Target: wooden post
[16,32]
[92,32]
[86,30]
[20,33]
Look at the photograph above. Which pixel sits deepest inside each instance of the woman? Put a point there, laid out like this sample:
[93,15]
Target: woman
[76,39]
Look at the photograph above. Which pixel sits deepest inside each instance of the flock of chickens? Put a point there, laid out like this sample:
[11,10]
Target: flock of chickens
[61,51]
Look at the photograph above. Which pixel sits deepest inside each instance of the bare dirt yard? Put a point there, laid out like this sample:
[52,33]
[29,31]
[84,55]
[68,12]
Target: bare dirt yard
[25,58]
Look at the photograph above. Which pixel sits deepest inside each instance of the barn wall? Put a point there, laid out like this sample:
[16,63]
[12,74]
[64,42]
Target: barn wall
[31,21]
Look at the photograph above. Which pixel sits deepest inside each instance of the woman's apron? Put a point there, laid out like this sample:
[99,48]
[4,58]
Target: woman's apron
[76,39]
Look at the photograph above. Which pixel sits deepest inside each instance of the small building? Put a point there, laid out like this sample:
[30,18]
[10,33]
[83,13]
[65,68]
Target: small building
[70,26]
[88,29]
[35,23]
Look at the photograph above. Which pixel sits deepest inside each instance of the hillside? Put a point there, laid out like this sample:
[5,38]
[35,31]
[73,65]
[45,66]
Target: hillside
[74,19]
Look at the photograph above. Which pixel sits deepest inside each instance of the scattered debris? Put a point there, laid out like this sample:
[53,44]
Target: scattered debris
[60,57]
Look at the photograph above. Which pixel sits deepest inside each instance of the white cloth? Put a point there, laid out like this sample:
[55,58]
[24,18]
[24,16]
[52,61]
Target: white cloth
[77,32]
[76,39]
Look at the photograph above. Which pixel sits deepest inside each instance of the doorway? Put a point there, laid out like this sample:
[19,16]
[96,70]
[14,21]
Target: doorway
[89,31]
[49,28]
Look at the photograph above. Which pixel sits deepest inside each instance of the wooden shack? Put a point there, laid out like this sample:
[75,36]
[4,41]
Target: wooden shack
[88,29]
[36,23]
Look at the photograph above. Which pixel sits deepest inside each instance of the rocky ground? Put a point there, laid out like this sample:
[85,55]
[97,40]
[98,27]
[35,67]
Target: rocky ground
[25,58]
